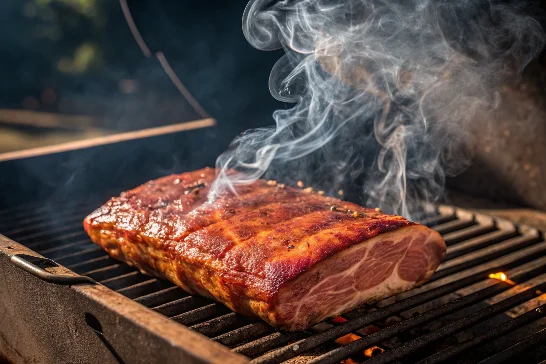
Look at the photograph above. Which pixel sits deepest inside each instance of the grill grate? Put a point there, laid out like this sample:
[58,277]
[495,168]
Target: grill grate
[458,310]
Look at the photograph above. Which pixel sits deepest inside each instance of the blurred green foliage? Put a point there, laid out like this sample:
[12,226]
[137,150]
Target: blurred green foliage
[55,21]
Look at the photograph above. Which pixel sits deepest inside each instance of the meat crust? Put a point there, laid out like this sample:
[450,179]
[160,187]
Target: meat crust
[288,257]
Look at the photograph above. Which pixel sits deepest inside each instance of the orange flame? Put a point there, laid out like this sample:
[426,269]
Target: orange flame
[374,350]
[502,277]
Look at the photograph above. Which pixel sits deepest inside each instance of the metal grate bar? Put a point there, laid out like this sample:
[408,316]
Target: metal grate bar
[91,264]
[160,297]
[242,334]
[467,233]
[59,240]
[20,214]
[15,209]
[269,342]
[375,338]
[539,262]
[181,305]
[287,352]
[200,314]
[454,225]
[58,249]
[478,243]
[21,230]
[525,344]
[51,234]
[497,331]
[125,280]
[500,249]
[222,323]
[70,250]
[81,257]
[503,263]
[456,326]
[524,246]
[111,271]
[144,288]
[31,221]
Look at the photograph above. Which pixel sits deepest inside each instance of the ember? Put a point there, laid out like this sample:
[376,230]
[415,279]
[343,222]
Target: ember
[349,338]
[502,277]
[339,320]
[374,350]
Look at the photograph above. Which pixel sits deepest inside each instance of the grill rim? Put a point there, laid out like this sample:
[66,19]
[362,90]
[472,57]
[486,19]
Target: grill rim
[189,341]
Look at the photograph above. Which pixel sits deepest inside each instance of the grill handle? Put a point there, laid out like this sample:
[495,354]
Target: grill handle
[22,262]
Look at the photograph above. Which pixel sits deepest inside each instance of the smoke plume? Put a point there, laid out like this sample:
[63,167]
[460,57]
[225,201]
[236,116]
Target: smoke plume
[383,92]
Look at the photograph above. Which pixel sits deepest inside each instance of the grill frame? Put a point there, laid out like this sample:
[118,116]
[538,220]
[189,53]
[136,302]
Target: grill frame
[187,341]
[30,331]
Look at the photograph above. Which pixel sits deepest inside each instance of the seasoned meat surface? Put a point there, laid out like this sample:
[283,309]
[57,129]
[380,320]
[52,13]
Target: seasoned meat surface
[289,257]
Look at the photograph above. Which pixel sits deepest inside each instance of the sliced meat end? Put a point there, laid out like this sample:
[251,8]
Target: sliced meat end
[365,273]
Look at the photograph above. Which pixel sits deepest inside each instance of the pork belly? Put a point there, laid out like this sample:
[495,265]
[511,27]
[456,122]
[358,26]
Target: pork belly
[278,253]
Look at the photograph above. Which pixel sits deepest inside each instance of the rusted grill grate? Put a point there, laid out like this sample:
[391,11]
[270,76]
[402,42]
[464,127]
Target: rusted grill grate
[446,320]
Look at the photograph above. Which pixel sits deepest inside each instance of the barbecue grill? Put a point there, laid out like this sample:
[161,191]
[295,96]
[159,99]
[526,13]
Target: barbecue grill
[65,300]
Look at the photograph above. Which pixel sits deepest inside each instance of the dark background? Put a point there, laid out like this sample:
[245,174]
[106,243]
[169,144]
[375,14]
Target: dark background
[77,57]
[82,50]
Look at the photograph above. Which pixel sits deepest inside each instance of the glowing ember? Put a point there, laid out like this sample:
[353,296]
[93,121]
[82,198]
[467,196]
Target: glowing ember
[501,277]
[349,338]
[339,320]
[374,350]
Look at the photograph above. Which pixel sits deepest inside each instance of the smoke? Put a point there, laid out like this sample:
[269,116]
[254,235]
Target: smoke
[383,91]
